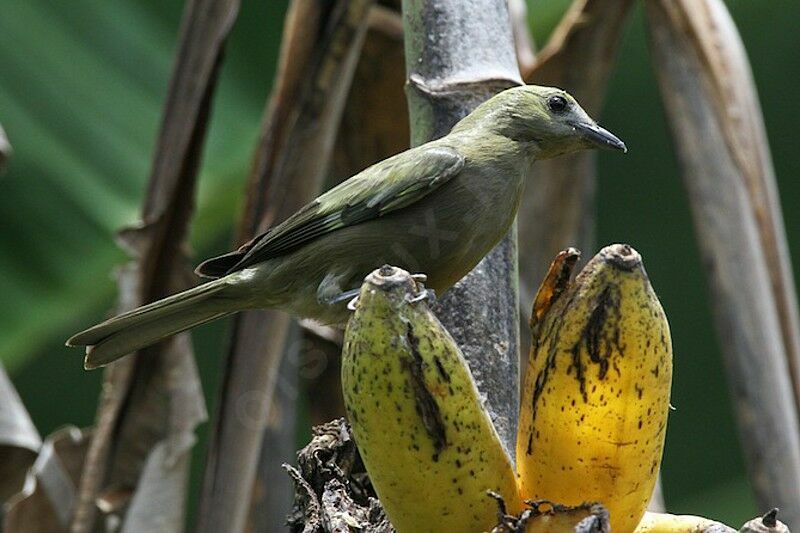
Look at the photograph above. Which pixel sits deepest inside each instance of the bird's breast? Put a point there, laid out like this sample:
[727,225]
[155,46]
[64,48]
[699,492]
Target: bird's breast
[460,223]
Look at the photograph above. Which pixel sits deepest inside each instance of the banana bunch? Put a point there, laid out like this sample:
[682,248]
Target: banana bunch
[592,417]
[596,395]
[429,446]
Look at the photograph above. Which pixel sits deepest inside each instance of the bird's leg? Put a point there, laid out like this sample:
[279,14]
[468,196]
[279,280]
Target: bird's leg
[330,290]
[423,294]
[343,297]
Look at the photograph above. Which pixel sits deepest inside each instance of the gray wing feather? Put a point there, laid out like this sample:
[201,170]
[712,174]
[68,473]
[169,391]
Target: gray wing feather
[390,185]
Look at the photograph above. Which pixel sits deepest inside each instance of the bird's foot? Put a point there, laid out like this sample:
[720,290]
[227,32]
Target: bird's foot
[424,294]
[351,296]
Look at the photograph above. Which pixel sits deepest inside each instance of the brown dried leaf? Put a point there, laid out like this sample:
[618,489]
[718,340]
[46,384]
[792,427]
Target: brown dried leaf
[152,458]
[727,77]
[718,131]
[554,284]
[323,42]
[332,491]
[161,384]
[45,504]
[271,496]
[19,440]
[374,124]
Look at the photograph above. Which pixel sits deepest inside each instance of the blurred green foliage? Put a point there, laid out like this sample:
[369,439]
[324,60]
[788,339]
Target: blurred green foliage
[81,89]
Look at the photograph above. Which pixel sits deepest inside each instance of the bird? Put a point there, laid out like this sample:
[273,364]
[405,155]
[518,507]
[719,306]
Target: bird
[437,209]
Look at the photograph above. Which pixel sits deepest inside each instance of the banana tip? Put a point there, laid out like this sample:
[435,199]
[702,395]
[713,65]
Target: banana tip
[389,277]
[622,256]
[770,519]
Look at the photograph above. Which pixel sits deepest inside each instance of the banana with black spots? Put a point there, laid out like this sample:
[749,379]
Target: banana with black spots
[428,444]
[596,395]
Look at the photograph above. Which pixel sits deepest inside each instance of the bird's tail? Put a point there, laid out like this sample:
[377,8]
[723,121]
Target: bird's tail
[146,325]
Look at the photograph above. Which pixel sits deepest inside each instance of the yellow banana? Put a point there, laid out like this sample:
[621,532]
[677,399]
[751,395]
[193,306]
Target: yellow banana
[671,523]
[594,405]
[426,440]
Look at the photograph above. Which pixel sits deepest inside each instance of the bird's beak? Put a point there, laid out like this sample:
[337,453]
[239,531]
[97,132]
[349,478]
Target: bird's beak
[599,137]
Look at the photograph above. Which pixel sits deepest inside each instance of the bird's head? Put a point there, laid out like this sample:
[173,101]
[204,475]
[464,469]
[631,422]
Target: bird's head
[548,119]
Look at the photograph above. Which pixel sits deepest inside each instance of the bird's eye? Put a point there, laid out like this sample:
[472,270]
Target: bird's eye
[557,104]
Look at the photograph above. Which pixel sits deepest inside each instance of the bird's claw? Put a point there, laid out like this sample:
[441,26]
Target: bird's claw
[424,294]
[352,304]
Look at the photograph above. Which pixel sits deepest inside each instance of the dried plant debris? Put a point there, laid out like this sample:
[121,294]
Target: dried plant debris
[47,499]
[334,495]
[332,490]
[19,440]
[543,515]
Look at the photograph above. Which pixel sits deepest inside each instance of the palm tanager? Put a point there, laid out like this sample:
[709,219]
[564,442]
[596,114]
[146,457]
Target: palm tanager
[437,209]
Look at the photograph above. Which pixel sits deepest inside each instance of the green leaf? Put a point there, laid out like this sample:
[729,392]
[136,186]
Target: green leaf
[81,95]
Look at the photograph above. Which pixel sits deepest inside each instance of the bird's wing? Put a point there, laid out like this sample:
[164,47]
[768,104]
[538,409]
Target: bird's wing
[386,187]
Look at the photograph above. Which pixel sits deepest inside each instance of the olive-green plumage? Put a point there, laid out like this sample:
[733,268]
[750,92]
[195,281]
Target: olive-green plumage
[437,208]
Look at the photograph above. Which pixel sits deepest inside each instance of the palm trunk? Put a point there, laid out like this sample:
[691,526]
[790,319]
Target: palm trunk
[471,59]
